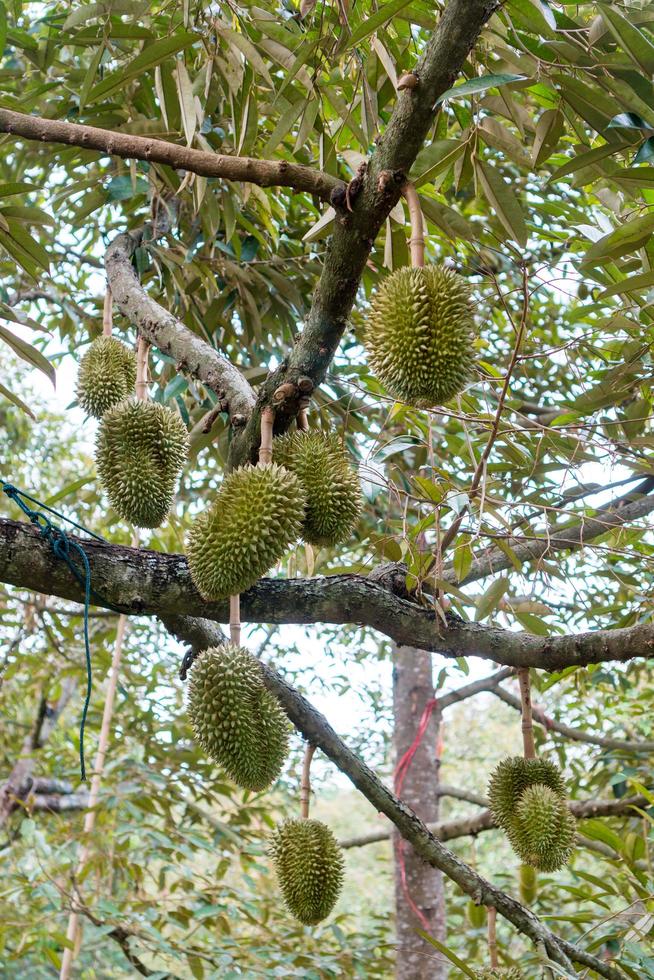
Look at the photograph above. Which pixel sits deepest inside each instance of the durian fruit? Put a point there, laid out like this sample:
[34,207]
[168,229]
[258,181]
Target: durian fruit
[255,517]
[235,719]
[419,335]
[509,780]
[140,450]
[107,374]
[528,884]
[329,481]
[543,831]
[309,864]
[501,973]
[476,915]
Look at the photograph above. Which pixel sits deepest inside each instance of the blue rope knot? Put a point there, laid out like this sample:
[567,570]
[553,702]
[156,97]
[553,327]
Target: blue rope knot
[61,546]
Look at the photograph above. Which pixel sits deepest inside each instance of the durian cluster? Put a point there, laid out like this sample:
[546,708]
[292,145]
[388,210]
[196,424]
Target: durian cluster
[330,484]
[254,518]
[528,801]
[309,864]
[107,374]
[419,335]
[140,450]
[235,719]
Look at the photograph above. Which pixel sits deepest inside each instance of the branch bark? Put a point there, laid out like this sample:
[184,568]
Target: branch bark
[265,173]
[142,582]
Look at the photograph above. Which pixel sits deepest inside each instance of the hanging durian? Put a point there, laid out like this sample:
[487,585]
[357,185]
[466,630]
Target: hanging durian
[476,915]
[528,884]
[419,335]
[543,829]
[331,485]
[253,520]
[309,864]
[235,719]
[106,376]
[140,451]
[511,777]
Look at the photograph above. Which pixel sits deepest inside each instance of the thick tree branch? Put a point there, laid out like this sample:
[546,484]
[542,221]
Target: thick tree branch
[142,582]
[265,173]
[170,335]
[317,730]
[378,190]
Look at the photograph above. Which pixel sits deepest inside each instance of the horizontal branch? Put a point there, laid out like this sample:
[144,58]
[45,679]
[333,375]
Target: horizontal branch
[142,582]
[576,734]
[471,826]
[265,173]
[316,729]
[190,353]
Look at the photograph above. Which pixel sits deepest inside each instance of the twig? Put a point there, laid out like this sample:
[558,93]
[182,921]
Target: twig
[235,619]
[305,784]
[142,350]
[265,448]
[492,937]
[527,723]
[417,240]
[107,313]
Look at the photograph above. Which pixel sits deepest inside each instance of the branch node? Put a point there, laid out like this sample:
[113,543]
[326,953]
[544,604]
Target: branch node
[408,81]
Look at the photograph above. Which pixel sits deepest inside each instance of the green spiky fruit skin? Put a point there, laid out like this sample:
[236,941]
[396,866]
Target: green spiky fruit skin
[140,451]
[543,830]
[107,375]
[309,865]
[419,335]
[528,884]
[235,719]
[501,973]
[255,517]
[511,777]
[329,481]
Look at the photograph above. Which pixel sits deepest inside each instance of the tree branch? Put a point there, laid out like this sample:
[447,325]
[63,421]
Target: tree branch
[170,335]
[142,582]
[316,729]
[265,173]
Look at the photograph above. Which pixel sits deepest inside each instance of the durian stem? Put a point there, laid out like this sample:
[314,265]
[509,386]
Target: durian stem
[107,318]
[142,350]
[417,240]
[235,619]
[492,937]
[302,419]
[267,420]
[305,783]
[527,722]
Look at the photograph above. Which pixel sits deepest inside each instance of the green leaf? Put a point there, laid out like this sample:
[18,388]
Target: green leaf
[489,601]
[122,188]
[480,84]
[66,491]
[151,56]
[631,285]
[3,27]
[9,313]
[452,957]
[434,159]
[28,353]
[378,19]
[18,402]
[246,47]
[633,41]
[503,201]
[586,159]
[628,120]
[627,238]
[448,220]
[16,187]
[645,151]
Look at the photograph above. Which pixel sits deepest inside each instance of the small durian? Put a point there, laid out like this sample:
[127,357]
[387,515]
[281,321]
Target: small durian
[501,973]
[253,520]
[419,335]
[528,884]
[476,915]
[107,374]
[331,485]
[509,780]
[235,719]
[309,864]
[543,830]
[140,450]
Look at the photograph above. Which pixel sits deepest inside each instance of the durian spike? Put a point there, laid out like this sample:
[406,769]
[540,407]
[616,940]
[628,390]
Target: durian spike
[527,723]
[417,240]
[265,449]
[142,350]
[235,619]
[107,318]
[305,782]
[492,936]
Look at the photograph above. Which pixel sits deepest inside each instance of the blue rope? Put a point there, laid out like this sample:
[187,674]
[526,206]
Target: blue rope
[61,545]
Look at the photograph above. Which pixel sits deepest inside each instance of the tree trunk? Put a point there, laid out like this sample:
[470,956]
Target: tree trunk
[419,894]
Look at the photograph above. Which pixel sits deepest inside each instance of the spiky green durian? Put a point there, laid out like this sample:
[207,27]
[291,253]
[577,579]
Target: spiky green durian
[543,829]
[331,485]
[140,450]
[511,777]
[309,864]
[235,719]
[501,973]
[419,334]
[528,884]
[107,374]
[476,915]
[255,517]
